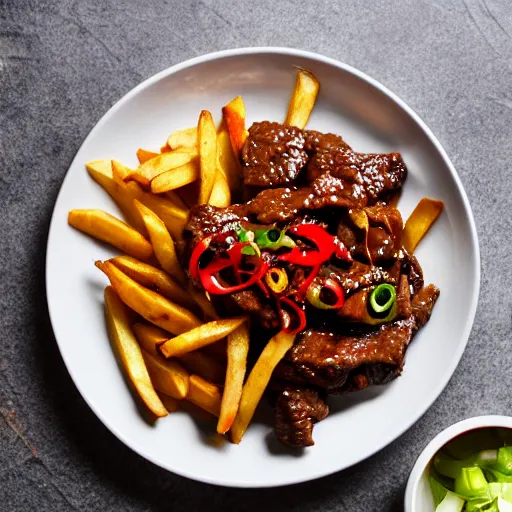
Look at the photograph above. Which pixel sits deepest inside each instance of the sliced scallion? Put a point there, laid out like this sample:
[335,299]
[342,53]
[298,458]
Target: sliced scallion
[382,298]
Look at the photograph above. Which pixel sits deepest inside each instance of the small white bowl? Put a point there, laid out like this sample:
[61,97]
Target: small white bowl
[418,497]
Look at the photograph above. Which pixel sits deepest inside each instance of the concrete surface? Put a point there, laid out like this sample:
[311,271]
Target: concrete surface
[64,63]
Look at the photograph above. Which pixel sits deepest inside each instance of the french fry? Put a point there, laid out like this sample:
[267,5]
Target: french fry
[221,195]
[143,155]
[200,336]
[162,242]
[234,117]
[109,229]
[101,172]
[151,337]
[121,173]
[124,193]
[171,404]
[173,217]
[175,178]
[420,221]
[150,305]
[227,160]
[303,99]
[204,395]
[207,141]
[129,354]
[99,166]
[258,380]
[154,279]
[186,138]
[238,348]
[166,161]
[167,376]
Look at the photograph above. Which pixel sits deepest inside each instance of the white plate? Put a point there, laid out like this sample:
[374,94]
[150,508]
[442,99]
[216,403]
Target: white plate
[371,119]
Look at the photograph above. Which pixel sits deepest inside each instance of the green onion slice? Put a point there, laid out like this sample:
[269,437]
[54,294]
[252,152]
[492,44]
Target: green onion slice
[382,298]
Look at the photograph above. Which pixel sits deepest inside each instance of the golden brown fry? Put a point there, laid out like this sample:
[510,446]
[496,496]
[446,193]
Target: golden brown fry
[207,141]
[154,279]
[107,228]
[186,138]
[200,336]
[101,172]
[175,178]
[162,242]
[99,166]
[124,194]
[173,217]
[151,337]
[303,99]
[234,117]
[227,160]
[121,173]
[221,195]
[150,305]
[167,376]
[128,352]
[420,221]
[166,161]
[143,155]
[171,404]
[205,395]
[238,348]
[258,380]
[200,298]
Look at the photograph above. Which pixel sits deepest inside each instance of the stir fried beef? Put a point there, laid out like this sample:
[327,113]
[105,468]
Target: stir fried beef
[294,177]
[317,171]
[325,359]
[275,155]
[297,410]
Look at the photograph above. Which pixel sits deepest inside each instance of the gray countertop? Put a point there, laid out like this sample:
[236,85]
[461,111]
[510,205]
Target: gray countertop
[64,63]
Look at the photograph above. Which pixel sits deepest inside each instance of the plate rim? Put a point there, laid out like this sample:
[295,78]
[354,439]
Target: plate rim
[292,52]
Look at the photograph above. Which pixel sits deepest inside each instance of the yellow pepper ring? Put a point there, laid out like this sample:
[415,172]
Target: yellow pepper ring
[277,280]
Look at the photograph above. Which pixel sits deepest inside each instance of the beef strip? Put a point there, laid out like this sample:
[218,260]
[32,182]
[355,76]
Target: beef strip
[205,220]
[297,410]
[273,155]
[326,359]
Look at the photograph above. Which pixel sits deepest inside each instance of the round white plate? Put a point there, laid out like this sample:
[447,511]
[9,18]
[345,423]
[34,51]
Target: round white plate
[371,119]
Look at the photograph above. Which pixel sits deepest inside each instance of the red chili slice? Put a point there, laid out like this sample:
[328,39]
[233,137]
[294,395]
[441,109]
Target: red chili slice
[199,250]
[297,311]
[326,246]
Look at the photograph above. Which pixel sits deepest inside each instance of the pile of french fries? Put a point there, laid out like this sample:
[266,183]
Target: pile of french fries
[174,349]
[166,334]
